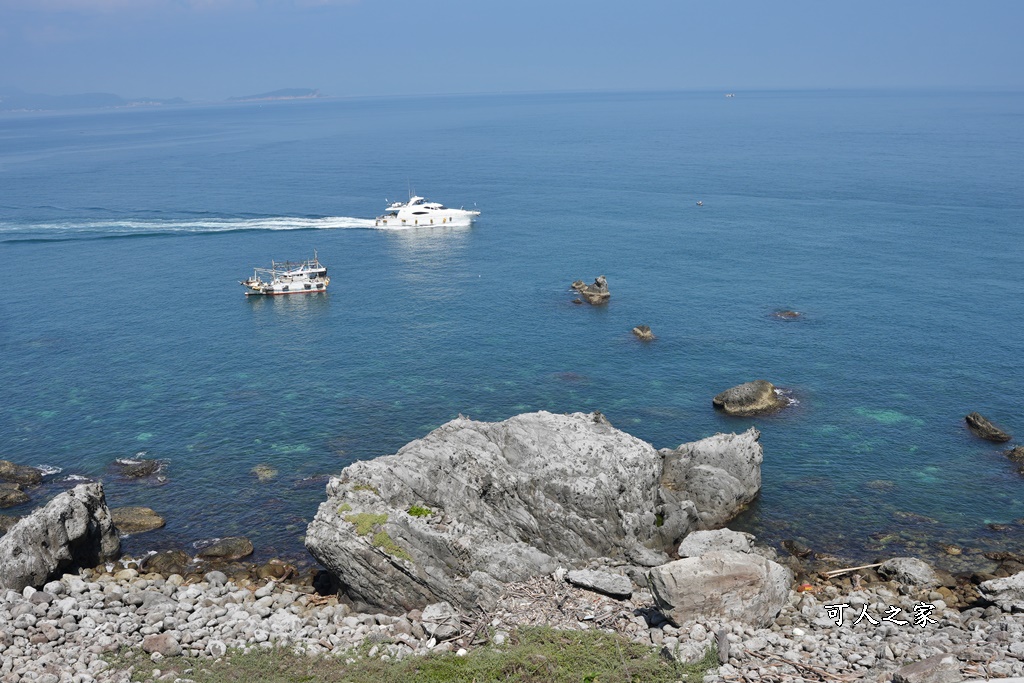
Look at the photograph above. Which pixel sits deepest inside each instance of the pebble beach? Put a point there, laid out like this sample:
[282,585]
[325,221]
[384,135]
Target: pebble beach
[66,632]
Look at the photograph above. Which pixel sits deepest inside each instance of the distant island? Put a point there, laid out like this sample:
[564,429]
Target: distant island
[15,99]
[283,94]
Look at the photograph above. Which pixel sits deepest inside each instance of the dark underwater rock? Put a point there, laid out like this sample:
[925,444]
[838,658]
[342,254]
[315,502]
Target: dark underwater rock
[796,548]
[136,468]
[751,398]
[984,429]
[135,520]
[227,549]
[11,495]
[20,474]
[167,562]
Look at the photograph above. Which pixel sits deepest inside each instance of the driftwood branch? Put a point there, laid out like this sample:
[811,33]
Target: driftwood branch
[837,572]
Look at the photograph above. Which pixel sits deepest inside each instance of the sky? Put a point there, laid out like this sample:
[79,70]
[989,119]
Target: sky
[209,50]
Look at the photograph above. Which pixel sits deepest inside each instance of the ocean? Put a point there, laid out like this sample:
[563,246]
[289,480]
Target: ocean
[891,221]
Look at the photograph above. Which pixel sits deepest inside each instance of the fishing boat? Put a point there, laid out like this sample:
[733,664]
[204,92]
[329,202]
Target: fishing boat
[288,277]
[418,212]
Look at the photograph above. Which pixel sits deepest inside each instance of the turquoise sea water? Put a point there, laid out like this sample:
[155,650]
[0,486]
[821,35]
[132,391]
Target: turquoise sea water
[892,221]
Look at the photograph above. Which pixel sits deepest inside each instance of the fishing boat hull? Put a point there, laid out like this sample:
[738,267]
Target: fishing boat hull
[280,290]
[303,277]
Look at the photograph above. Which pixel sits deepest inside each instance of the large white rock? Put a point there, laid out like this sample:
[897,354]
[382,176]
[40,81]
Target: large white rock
[700,542]
[1007,593]
[506,501]
[721,584]
[720,475]
[72,530]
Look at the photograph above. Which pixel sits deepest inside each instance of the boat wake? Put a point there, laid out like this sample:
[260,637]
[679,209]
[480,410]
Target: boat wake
[151,227]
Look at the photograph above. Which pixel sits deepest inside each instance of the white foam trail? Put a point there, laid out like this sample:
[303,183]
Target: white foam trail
[160,226]
[47,470]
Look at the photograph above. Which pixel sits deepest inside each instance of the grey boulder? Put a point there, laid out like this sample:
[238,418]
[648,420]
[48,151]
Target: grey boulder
[72,530]
[721,475]
[701,542]
[1007,593]
[473,505]
[910,570]
[614,585]
[722,584]
[944,668]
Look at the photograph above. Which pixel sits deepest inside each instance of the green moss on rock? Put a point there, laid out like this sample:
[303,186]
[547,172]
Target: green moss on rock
[383,540]
[365,521]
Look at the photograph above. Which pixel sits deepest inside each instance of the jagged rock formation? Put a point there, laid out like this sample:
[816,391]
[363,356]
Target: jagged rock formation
[751,398]
[984,429]
[596,293]
[453,516]
[1007,592]
[19,474]
[720,475]
[72,530]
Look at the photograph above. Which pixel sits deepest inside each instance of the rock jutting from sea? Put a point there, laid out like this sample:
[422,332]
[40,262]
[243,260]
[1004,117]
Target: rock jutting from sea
[595,294]
[750,398]
[474,505]
[983,429]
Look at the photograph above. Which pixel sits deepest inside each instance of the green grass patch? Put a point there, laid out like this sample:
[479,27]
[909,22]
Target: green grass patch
[344,507]
[366,487]
[531,655]
[383,540]
[365,521]
[420,511]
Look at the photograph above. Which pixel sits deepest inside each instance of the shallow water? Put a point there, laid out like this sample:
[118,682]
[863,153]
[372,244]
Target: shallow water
[891,222]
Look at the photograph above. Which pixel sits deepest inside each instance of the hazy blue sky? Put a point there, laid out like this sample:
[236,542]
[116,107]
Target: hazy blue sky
[212,49]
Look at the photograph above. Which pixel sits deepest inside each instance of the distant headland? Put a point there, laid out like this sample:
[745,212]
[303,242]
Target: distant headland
[15,99]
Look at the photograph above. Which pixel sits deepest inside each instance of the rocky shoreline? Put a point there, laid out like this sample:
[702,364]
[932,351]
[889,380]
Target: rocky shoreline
[63,632]
[482,528]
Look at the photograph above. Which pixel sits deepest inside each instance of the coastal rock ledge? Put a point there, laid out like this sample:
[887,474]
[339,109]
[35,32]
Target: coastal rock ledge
[73,530]
[474,505]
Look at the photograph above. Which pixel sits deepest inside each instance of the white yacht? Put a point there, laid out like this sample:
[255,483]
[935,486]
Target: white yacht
[288,277]
[418,212]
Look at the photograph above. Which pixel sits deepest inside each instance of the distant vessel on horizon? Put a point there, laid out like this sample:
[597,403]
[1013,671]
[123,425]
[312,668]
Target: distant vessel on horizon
[420,212]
